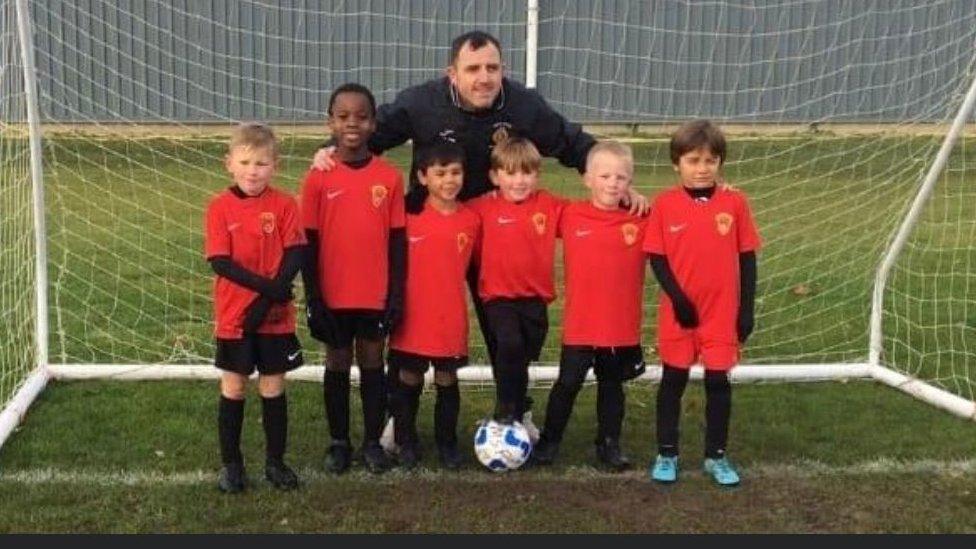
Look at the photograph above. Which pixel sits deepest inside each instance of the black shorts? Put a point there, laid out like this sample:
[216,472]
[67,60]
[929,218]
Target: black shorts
[269,354]
[357,323]
[608,363]
[402,360]
[523,322]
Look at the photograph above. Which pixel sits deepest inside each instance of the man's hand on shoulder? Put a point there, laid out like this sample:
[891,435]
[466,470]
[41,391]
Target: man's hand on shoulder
[638,203]
[324,159]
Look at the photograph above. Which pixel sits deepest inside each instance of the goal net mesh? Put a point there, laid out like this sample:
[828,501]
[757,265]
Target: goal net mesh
[834,112]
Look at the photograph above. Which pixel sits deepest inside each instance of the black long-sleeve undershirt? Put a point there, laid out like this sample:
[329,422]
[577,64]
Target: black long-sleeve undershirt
[397,267]
[665,277]
[748,273]
[270,291]
[226,267]
[747,278]
[310,267]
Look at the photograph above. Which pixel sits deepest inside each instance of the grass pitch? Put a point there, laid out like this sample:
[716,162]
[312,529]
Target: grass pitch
[128,284]
[140,457]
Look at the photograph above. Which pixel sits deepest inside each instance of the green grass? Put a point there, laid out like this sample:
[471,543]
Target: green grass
[166,431]
[128,284]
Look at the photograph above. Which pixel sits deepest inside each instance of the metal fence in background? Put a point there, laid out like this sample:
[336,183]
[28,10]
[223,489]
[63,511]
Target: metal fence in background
[601,61]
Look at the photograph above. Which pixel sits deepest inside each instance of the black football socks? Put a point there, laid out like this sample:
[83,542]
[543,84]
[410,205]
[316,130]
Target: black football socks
[274,416]
[673,382]
[336,389]
[446,410]
[372,390]
[718,410]
[230,420]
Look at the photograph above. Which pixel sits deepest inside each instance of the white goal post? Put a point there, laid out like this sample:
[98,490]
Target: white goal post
[869,264]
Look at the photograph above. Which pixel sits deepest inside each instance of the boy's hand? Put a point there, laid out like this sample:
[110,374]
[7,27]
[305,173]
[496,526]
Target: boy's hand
[255,314]
[639,204]
[321,322]
[685,313]
[744,324]
[278,292]
[392,316]
[324,159]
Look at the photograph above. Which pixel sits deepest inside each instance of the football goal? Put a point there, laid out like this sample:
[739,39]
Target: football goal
[850,129]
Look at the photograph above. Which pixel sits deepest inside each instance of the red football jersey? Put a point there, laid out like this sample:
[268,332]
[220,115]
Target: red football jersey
[702,241]
[353,211]
[253,232]
[435,316]
[604,268]
[518,245]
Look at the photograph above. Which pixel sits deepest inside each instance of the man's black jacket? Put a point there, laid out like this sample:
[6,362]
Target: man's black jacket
[429,112]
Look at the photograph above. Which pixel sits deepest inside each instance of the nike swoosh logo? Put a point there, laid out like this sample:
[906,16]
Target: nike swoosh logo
[332,194]
[233,226]
[505,220]
[293,356]
[414,239]
[581,234]
[676,228]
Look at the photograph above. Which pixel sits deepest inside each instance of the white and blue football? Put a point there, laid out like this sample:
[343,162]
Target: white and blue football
[502,447]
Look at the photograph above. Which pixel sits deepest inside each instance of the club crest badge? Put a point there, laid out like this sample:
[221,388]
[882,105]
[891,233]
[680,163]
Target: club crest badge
[501,133]
[267,222]
[723,222]
[629,231]
[539,222]
[462,241]
[448,135]
[378,193]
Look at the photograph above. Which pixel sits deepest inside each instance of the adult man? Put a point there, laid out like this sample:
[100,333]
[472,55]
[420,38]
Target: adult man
[476,106]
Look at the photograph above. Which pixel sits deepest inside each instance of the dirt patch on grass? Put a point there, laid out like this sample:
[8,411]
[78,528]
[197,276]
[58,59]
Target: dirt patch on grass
[515,503]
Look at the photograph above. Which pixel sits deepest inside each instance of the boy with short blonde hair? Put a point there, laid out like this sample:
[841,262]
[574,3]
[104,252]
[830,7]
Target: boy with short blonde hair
[604,271]
[254,244]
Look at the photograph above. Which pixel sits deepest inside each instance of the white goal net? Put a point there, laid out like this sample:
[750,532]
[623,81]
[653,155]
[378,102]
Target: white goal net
[835,111]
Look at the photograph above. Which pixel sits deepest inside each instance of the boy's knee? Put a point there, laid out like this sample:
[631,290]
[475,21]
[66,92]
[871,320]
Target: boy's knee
[717,382]
[571,378]
[675,377]
[369,354]
[271,386]
[510,350]
[233,386]
[338,360]
[609,376]
[445,378]
[411,378]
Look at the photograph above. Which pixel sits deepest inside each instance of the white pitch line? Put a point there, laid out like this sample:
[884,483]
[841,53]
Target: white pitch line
[795,470]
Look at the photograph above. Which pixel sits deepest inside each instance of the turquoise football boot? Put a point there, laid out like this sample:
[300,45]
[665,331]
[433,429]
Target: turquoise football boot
[664,469]
[722,471]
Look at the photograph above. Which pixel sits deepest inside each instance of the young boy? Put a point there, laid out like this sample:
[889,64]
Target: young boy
[702,243]
[354,275]
[434,330]
[604,269]
[254,243]
[515,265]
